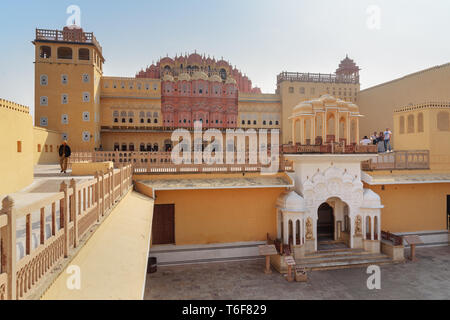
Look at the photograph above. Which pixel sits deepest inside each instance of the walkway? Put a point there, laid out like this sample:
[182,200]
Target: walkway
[113,263]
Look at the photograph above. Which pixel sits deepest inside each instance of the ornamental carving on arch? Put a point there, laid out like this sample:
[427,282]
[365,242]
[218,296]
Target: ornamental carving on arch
[331,182]
[358,225]
[309,229]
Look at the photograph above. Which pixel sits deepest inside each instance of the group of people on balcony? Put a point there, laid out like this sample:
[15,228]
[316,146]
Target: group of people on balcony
[382,140]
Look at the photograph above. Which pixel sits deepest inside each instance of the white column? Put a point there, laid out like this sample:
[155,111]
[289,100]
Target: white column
[351,231]
[372,221]
[379,227]
[278,224]
[294,232]
[286,230]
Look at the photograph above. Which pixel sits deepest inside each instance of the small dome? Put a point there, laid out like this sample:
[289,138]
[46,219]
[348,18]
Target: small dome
[199,75]
[371,200]
[168,77]
[230,80]
[304,107]
[215,78]
[291,201]
[184,77]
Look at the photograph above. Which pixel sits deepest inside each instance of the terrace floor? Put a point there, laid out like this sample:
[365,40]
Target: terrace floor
[428,278]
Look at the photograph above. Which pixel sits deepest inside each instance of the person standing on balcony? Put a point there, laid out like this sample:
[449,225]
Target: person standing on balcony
[380,143]
[64,155]
[387,140]
[374,138]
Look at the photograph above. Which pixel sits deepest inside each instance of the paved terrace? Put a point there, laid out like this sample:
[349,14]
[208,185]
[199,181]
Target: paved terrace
[428,278]
[113,258]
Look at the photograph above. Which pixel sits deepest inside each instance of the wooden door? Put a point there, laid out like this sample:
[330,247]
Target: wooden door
[163,228]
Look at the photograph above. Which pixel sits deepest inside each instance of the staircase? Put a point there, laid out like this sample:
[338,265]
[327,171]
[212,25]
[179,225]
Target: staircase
[341,258]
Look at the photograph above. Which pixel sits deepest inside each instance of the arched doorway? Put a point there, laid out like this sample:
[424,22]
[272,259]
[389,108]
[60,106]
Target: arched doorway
[325,223]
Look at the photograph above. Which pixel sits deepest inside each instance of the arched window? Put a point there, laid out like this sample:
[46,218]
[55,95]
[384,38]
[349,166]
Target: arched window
[223,74]
[411,123]
[420,122]
[83,54]
[443,121]
[331,125]
[142,147]
[319,125]
[402,124]
[116,147]
[131,146]
[64,53]
[149,147]
[124,147]
[45,52]
[342,129]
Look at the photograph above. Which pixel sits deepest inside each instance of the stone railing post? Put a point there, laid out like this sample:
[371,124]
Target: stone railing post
[9,247]
[111,182]
[102,194]
[65,212]
[97,194]
[121,179]
[73,209]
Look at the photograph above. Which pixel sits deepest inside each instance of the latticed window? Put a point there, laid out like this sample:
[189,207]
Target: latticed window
[443,123]
[402,124]
[411,123]
[420,122]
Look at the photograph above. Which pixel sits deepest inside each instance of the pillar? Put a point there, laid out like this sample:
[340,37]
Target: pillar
[286,230]
[379,228]
[65,211]
[293,131]
[372,222]
[278,224]
[73,185]
[9,259]
[294,232]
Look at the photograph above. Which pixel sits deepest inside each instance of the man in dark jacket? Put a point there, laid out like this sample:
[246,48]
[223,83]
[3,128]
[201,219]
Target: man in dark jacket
[64,155]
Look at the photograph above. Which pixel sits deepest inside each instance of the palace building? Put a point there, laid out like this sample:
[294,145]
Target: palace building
[329,192]
[323,115]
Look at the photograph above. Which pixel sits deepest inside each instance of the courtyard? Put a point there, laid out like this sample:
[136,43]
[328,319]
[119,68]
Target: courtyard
[427,278]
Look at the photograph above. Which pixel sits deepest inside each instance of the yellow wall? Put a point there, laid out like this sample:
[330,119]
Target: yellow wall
[45,146]
[220,216]
[430,137]
[377,104]
[413,207]
[16,168]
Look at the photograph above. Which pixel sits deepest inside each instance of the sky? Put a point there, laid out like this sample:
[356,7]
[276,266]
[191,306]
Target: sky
[387,39]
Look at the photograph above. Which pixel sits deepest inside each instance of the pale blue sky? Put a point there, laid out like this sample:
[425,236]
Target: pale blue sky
[260,37]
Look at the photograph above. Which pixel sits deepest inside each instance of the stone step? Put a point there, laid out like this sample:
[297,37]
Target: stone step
[332,251]
[338,258]
[345,264]
[335,254]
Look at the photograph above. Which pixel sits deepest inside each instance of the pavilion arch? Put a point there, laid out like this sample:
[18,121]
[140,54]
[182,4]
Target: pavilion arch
[353,131]
[342,128]
[331,124]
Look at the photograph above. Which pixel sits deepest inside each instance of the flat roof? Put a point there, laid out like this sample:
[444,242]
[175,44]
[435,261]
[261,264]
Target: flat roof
[406,178]
[263,181]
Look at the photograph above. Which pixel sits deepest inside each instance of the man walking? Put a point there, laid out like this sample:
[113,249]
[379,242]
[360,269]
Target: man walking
[64,155]
[387,140]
